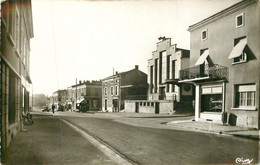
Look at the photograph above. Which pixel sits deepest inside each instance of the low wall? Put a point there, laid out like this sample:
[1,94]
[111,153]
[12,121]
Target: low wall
[148,106]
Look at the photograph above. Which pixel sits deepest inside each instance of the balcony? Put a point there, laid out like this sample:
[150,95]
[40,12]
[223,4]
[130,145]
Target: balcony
[213,72]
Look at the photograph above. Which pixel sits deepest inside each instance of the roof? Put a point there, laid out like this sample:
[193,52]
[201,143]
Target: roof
[240,5]
[120,74]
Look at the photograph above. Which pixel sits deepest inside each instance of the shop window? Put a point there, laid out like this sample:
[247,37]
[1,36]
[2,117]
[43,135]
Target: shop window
[211,100]
[240,20]
[11,98]
[204,34]
[245,96]
[211,103]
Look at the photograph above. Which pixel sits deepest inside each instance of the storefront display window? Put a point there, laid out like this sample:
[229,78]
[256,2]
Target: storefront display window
[212,103]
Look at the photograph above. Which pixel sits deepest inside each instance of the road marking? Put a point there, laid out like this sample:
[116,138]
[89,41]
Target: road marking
[107,151]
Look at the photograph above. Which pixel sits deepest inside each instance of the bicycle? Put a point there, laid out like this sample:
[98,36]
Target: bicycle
[27,119]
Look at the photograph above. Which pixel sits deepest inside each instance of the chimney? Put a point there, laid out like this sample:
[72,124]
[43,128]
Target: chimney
[79,81]
[116,72]
[136,67]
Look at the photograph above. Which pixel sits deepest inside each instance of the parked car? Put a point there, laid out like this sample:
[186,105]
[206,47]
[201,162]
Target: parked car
[45,109]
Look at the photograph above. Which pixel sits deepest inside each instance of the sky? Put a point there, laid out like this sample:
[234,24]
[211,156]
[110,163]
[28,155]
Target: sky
[87,40]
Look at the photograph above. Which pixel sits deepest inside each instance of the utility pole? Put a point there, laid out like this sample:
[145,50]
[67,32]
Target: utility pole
[76,95]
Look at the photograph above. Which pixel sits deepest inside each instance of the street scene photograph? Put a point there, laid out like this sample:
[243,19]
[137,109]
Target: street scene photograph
[121,82]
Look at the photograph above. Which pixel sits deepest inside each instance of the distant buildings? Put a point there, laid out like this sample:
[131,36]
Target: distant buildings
[129,85]
[85,96]
[16,32]
[224,65]
[60,98]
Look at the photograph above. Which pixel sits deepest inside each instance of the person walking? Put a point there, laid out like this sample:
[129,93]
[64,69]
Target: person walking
[53,107]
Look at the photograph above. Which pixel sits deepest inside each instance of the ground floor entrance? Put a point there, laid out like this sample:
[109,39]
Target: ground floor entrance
[209,102]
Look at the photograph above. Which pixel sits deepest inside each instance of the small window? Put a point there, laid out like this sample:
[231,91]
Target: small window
[204,35]
[141,103]
[240,20]
[148,103]
[152,104]
[144,103]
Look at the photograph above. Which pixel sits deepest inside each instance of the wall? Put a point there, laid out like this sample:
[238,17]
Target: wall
[166,107]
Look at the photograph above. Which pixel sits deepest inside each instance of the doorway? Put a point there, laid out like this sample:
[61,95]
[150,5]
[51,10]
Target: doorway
[157,108]
[136,107]
[105,104]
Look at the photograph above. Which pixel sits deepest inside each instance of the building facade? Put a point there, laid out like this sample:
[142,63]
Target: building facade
[85,96]
[163,75]
[225,66]
[60,98]
[16,32]
[129,85]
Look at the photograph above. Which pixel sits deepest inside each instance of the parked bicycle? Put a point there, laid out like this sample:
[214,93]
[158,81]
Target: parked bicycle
[27,119]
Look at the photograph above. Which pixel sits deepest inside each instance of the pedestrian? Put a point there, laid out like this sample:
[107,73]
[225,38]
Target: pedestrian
[53,107]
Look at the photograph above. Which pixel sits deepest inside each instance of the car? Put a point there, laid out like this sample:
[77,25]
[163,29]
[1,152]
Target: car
[45,109]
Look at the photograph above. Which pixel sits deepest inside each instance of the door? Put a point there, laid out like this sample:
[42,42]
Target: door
[136,107]
[106,104]
[157,110]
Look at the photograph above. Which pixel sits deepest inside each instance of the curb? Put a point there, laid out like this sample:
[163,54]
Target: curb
[251,137]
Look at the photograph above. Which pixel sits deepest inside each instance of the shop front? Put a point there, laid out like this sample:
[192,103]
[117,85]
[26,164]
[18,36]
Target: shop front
[210,99]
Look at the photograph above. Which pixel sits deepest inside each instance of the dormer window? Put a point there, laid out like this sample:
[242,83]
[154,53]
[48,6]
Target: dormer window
[204,35]
[239,20]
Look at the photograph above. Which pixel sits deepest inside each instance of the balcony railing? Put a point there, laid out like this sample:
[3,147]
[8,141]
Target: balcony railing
[212,71]
[136,97]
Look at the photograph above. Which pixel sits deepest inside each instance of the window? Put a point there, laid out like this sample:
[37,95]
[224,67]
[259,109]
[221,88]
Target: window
[241,56]
[148,103]
[141,103]
[239,20]
[17,30]
[204,34]
[151,79]
[116,90]
[152,104]
[112,90]
[245,96]
[105,89]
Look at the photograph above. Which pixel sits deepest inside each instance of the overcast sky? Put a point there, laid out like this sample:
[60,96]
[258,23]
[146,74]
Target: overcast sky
[87,39]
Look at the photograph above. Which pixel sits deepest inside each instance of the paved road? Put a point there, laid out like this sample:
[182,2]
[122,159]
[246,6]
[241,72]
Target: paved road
[162,146]
[49,141]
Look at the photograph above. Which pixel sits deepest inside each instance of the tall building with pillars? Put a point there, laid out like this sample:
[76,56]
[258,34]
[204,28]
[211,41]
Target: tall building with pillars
[163,75]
